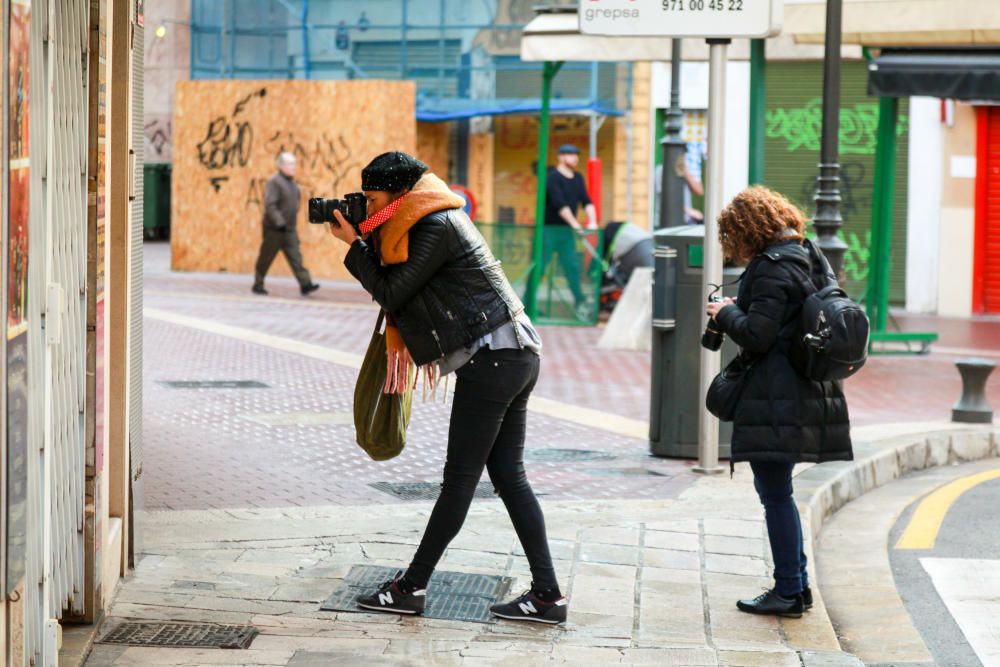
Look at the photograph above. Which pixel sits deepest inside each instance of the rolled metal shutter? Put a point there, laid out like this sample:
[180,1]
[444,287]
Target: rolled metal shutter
[793,131]
[67,268]
[135,258]
[35,575]
[991,232]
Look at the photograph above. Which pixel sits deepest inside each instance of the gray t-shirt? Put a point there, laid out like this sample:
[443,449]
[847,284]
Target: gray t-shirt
[517,334]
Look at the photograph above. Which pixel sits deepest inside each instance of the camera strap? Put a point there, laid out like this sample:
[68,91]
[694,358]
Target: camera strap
[716,288]
[371,223]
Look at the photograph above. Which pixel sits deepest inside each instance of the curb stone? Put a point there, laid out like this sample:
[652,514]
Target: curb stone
[828,659]
[882,454]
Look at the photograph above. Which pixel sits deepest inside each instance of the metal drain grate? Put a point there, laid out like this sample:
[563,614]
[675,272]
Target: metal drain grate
[568,455]
[189,635]
[425,490]
[457,596]
[214,384]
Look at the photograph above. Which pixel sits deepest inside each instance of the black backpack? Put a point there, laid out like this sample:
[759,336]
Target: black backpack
[832,343]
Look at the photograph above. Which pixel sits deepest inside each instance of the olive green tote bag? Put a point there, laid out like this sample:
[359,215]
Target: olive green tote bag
[380,419]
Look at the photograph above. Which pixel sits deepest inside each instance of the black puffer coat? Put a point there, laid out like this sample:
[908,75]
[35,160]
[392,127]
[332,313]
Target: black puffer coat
[782,416]
[451,291]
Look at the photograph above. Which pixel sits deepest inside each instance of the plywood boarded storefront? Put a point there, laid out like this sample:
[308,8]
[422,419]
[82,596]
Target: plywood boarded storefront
[227,135]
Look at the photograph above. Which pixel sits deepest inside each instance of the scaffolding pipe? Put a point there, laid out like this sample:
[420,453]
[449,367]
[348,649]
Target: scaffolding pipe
[402,39]
[306,64]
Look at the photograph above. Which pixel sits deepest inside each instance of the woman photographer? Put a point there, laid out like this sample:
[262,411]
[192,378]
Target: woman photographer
[781,418]
[451,309]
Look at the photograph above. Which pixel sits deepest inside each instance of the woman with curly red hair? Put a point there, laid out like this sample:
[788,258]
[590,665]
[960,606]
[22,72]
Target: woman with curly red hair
[782,418]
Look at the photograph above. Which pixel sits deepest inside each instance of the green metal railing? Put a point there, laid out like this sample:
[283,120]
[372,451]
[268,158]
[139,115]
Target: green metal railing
[568,287]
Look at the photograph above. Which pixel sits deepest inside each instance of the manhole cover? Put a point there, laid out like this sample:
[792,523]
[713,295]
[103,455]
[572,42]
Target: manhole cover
[623,472]
[214,384]
[425,490]
[567,455]
[206,635]
[451,595]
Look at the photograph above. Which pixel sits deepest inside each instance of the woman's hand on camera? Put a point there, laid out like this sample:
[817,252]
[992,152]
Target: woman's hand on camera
[714,307]
[341,230]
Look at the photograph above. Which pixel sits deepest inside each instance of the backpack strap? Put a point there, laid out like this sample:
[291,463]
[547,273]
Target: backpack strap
[379,321]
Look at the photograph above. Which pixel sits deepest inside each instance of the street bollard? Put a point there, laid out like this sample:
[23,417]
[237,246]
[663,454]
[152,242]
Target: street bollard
[972,408]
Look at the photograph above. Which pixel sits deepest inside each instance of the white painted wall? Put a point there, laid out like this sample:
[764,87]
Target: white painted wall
[955,261]
[923,219]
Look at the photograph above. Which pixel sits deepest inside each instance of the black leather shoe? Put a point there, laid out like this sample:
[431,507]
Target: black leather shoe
[807,598]
[309,289]
[258,290]
[770,603]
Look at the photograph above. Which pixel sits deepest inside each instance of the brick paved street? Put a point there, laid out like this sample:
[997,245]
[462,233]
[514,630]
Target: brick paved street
[292,443]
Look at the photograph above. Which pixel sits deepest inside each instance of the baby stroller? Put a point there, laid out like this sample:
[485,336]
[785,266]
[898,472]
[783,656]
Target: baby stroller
[626,248]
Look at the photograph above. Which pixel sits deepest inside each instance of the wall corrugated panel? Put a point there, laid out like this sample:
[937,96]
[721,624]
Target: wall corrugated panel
[794,128]
[991,237]
[34,606]
[135,261]
[66,267]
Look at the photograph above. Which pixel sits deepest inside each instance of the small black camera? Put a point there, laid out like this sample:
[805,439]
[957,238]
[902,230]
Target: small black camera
[354,208]
[712,338]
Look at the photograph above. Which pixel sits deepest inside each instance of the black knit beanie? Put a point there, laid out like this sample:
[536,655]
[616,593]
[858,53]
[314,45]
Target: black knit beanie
[392,172]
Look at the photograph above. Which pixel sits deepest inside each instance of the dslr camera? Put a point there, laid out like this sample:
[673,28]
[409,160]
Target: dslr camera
[713,337]
[354,208]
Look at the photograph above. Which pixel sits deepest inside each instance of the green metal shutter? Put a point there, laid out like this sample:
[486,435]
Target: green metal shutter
[794,128]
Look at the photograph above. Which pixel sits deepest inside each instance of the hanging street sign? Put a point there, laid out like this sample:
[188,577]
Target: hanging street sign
[682,18]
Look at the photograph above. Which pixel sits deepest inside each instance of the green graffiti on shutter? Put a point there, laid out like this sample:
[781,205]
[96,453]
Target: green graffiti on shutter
[801,127]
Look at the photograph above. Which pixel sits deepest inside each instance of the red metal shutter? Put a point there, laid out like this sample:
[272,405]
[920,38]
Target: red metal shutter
[990,237]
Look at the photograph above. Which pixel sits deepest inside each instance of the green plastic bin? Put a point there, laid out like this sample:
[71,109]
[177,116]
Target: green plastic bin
[156,200]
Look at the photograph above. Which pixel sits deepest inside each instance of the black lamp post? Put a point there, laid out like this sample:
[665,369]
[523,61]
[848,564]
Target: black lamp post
[827,221]
[674,147]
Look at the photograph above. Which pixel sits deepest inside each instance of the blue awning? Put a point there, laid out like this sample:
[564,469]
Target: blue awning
[439,111]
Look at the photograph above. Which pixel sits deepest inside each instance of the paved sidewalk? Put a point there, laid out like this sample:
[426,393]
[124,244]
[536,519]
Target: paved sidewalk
[257,502]
[649,581]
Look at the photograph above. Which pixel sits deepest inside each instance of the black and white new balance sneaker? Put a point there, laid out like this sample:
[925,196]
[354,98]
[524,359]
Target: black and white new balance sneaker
[529,607]
[393,597]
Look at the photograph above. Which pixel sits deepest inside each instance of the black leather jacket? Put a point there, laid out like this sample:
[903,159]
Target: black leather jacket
[448,294]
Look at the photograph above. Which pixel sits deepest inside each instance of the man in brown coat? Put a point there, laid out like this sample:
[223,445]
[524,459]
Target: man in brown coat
[281,208]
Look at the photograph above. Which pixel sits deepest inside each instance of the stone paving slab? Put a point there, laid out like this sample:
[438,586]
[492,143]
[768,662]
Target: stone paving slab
[627,605]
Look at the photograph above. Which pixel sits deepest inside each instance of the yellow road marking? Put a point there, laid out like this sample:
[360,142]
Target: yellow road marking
[922,531]
[587,417]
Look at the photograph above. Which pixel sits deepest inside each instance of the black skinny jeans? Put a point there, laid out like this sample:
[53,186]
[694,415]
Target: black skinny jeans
[773,482]
[488,421]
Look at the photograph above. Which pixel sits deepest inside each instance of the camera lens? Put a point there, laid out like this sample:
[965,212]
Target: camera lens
[712,340]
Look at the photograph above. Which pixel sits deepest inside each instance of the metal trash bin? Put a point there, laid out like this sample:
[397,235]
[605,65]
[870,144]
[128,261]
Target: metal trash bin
[156,200]
[678,322]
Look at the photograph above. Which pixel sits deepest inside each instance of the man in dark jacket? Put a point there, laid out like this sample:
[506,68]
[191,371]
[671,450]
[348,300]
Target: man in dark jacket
[281,208]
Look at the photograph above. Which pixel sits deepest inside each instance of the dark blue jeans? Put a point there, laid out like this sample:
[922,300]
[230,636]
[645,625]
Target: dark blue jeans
[773,482]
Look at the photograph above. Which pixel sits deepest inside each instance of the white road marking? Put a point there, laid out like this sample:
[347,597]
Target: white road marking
[970,589]
[595,419]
